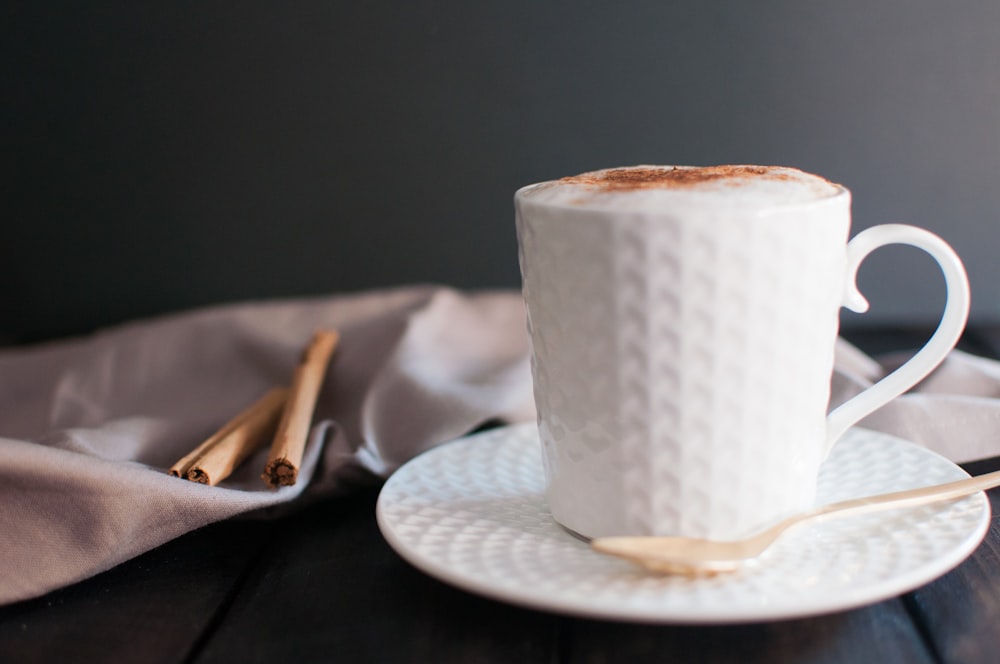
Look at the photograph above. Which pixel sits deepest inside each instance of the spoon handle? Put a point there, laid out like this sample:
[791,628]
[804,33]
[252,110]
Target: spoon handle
[911,497]
[692,556]
[755,544]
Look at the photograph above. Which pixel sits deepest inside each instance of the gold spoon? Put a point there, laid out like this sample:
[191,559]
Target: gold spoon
[684,555]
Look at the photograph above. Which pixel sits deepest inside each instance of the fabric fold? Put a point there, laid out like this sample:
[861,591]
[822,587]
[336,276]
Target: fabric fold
[90,426]
[955,411]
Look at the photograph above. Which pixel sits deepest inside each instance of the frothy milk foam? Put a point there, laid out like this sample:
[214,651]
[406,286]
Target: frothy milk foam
[653,187]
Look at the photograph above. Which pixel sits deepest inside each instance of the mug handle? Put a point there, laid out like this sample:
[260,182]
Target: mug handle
[956,312]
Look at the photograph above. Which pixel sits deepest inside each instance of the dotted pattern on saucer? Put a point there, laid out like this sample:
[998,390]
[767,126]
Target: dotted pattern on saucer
[473,513]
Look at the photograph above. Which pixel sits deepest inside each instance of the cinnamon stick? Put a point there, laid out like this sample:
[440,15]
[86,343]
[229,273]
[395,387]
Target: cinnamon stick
[283,464]
[222,452]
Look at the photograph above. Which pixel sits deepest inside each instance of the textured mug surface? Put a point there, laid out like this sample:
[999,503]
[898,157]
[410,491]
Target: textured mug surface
[683,342]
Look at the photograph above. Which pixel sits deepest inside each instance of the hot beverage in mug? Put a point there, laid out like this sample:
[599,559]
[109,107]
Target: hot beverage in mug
[683,323]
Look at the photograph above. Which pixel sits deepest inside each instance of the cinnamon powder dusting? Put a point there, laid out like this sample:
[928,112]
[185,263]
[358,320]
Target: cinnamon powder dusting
[644,177]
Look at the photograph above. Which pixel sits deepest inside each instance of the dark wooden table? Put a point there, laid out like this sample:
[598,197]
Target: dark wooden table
[321,585]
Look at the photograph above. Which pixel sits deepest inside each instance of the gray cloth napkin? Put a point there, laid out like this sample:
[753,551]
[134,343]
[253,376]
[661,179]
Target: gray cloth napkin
[89,427]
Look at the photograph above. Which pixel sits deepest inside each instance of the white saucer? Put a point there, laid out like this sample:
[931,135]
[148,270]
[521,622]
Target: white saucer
[472,513]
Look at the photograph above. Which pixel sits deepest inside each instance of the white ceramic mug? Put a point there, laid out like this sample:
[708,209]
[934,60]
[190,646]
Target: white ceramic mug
[683,323]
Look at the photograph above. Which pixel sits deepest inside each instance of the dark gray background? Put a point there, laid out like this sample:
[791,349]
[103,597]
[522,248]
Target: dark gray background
[159,156]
